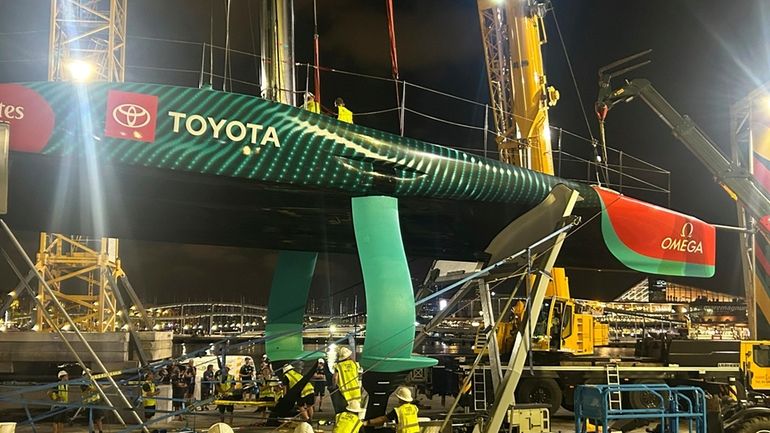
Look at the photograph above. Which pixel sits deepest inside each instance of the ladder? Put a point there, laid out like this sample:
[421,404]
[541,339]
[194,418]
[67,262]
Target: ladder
[479,389]
[480,340]
[613,380]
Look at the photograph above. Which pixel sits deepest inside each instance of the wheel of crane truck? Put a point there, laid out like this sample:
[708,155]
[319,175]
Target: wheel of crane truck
[540,390]
[755,425]
[643,399]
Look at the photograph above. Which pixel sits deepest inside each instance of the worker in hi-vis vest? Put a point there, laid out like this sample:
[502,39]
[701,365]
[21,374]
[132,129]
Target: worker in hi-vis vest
[149,392]
[306,402]
[349,421]
[346,376]
[311,104]
[405,415]
[60,394]
[343,114]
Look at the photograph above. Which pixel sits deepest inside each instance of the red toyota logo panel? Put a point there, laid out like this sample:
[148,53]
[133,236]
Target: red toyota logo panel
[131,116]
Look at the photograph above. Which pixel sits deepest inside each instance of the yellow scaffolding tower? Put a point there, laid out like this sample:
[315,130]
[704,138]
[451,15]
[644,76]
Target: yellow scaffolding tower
[83,274]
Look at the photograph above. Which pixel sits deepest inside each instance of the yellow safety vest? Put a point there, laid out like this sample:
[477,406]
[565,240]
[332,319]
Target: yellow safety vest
[61,394]
[295,377]
[347,380]
[266,391]
[344,115]
[313,107]
[407,419]
[148,396]
[226,388]
[346,422]
[90,395]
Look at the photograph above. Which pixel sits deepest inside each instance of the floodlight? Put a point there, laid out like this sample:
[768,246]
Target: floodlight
[79,70]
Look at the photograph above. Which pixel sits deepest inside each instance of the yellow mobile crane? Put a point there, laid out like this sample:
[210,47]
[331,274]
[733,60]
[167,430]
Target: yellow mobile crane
[513,32]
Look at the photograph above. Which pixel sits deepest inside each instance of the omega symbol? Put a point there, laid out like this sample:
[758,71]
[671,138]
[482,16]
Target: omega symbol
[131,115]
[687,230]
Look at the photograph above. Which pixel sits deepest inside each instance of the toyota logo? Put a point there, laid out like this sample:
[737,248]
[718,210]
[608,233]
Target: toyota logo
[131,115]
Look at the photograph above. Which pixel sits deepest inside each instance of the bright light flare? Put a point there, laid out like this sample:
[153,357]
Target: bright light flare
[79,70]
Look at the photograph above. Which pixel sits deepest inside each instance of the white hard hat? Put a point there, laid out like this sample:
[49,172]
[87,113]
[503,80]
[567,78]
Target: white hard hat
[62,373]
[303,427]
[321,360]
[354,406]
[344,353]
[287,367]
[220,427]
[404,394]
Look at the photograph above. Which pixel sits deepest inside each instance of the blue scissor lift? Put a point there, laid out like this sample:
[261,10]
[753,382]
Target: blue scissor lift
[668,406]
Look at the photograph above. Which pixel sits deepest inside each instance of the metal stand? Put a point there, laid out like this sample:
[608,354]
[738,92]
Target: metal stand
[504,394]
[63,311]
[493,349]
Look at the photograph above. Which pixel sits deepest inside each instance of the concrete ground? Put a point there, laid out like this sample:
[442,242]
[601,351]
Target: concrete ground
[246,420]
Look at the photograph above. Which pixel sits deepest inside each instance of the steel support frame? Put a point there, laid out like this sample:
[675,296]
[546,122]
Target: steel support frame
[80,336]
[741,147]
[504,394]
[493,349]
[494,35]
[61,259]
[439,317]
[92,31]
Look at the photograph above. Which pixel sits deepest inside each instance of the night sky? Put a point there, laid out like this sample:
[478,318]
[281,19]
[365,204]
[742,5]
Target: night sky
[707,55]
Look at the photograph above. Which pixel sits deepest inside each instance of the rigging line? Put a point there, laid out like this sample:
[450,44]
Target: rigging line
[616,171]
[316,55]
[572,73]
[227,45]
[449,122]
[387,110]
[253,46]
[211,45]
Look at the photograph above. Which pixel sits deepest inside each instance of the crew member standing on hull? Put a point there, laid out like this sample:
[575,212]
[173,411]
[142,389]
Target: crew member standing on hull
[60,395]
[311,105]
[405,415]
[346,376]
[343,114]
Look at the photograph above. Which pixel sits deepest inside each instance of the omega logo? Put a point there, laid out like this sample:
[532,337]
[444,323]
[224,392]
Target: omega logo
[684,243]
[131,115]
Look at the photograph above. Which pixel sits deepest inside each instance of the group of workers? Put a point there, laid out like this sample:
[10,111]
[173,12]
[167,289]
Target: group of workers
[343,114]
[90,398]
[344,387]
[348,386]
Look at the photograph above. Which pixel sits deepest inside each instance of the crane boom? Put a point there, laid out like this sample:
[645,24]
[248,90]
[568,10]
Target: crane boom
[745,188]
[512,33]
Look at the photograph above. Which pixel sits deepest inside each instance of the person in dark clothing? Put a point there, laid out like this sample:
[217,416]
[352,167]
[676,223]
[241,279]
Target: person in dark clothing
[164,376]
[319,382]
[338,401]
[247,380]
[190,374]
[207,384]
[178,390]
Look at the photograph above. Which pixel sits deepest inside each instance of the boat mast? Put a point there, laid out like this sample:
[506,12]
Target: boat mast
[277,79]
